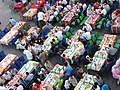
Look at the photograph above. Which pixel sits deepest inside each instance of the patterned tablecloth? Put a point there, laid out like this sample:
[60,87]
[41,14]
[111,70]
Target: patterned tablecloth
[116,27]
[47,45]
[30,14]
[68,18]
[86,83]
[28,67]
[93,19]
[7,62]
[33,29]
[58,69]
[12,33]
[15,80]
[108,39]
[48,14]
[99,59]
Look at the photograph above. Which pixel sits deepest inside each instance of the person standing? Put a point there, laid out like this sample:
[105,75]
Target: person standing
[12,22]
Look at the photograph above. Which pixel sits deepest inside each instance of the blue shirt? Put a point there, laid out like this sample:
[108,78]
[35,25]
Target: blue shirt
[68,70]
[13,22]
[108,24]
[105,87]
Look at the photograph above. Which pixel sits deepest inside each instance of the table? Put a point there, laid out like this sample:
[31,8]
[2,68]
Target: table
[93,19]
[30,14]
[52,79]
[48,14]
[86,83]
[16,80]
[116,27]
[99,59]
[32,30]
[58,69]
[75,49]
[12,33]
[19,6]
[28,67]
[7,62]
[68,18]
[108,39]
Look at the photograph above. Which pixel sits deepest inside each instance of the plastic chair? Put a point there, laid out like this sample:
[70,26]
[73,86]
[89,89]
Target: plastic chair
[71,30]
[96,34]
[25,61]
[118,41]
[117,46]
[57,19]
[94,39]
[2,33]
[68,34]
[6,30]
[91,42]
[18,63]
[73,22]
[100,38]
[22,59]
[78,21]
[2,54]
[26,28]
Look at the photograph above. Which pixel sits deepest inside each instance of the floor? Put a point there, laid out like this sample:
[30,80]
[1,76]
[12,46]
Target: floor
[5,14]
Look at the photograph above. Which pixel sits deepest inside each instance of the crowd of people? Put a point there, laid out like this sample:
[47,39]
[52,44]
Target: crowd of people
[33,45]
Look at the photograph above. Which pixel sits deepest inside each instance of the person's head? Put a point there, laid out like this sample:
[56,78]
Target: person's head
[16,85]
[63,55]
[53,40]
[27,73]
[26,47]
[0,23]
[51,43]
[65,64]
[109,45]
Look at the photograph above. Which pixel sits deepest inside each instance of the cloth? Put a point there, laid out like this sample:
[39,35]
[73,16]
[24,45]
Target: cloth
[59,35]
[105,87]
[87,35]
[20,87]
[40,16]
[28,54]
[67,84]
[68,70]
[12,21]
[30,77]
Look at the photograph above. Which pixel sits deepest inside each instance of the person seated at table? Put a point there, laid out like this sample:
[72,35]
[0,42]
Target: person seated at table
[30,76]
[67,27]
[48,26]
[2,80]
[35,86]
[39,40]
[61,45]
[59,35]
[103,12]
[106,7]
[86,34]
[20,43]
[105,87]
[96,86]
[87,27]
[14,71]
[111,51]
[73,81]
[44,33]
[42,74]
[55,41]
[12,22]
[19,87]
[40,16]
[80,74]
[108,24]
[28,53]
[98,80]
[67,85]
[68,71]
[7,75]
[49,66]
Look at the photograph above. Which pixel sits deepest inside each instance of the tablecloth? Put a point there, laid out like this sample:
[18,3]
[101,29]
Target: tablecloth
[12,33]
[19,6]
[108,39]
[99,59]
[93,19]
[86,83]
[28,67]
[7,62]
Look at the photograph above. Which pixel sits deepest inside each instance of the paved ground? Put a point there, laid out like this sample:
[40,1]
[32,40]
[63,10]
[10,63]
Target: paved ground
[5,14]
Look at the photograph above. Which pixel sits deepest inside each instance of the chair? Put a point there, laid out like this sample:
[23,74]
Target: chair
[71,30]
[6,30]
[100,38]
[2,33]
[91,42]
[96,34]
[98,42]
[18,63]
[78,21]
[73,22]
[64,36]
[117,46]
[25,61]
[99,26]
[2,54]
[94,39]
[118,41]
[22,59]
[14,40]
[68,34]
[26,28]
[57,19]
